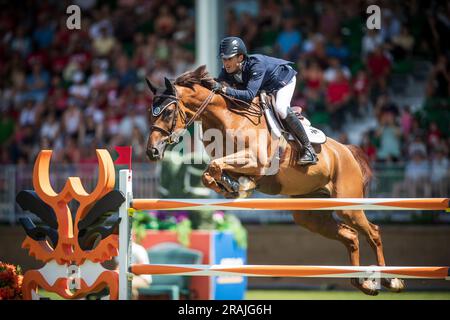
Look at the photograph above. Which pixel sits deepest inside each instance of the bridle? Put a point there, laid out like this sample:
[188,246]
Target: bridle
[172,135]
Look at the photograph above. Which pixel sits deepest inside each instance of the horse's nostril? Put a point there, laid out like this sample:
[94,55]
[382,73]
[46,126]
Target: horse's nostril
[152,153]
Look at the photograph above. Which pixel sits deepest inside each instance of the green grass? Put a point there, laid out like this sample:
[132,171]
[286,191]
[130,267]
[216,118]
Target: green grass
[324,295]
[342,295]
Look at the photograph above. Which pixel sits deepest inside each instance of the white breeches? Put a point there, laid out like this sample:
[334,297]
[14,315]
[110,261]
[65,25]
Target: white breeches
[284,97]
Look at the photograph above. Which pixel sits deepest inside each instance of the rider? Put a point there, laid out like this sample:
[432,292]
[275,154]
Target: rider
[259,72]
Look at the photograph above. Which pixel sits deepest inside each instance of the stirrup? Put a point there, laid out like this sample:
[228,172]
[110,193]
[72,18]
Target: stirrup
[308,158]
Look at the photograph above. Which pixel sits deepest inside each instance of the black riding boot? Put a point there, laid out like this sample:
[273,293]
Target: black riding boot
[295,127]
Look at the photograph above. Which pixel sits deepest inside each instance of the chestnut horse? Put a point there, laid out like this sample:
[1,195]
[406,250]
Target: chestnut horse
[341,172]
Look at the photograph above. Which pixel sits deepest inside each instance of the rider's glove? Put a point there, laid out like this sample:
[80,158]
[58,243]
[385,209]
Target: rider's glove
[218,87]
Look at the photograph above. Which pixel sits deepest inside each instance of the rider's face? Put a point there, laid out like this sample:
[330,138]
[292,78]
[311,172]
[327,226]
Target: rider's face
[232,64]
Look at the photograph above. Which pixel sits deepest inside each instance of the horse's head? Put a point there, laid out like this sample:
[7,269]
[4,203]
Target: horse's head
[166,126]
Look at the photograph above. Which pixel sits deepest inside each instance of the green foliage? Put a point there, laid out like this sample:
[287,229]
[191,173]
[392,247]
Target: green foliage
[143,220]
[229,222]
[183,229]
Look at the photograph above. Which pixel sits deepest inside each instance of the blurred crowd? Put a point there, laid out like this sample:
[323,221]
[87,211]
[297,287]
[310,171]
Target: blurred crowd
[75,90]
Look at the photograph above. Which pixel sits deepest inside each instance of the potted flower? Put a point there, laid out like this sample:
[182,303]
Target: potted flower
[10,282]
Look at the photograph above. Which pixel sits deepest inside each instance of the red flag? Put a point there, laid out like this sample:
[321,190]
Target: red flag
[124,156]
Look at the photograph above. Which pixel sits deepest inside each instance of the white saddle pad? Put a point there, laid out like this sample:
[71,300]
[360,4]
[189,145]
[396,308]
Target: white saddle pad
[314,135]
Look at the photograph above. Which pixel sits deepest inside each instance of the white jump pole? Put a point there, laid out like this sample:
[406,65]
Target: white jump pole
[125,277]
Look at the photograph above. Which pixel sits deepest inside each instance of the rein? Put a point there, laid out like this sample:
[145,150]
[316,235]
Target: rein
[172,136]
[253,108]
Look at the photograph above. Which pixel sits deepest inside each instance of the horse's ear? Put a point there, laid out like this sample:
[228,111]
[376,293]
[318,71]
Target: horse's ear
[169,84]
[150,86]
[200,70]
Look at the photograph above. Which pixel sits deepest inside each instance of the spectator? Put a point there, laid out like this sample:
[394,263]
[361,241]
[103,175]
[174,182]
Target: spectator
[98,78]
[389,134]
[289,40]
[417,168]
[371,40]
[379,67]
[416,182]
[21,43]
[361,92]
[314,81]
[165,22]
[130,121]
[417,146]
[369,148]
[71,120]
[37,82]
[440,174]
[338,94]
[336,49]
[104,43]
[333,69]
[28,114]
[89,131]
[312,41]
[44,33]
[139,256]
[125,73]
[406,121]
[79,90]
[103,21]
[50,127]
[329,21]
[434,134]
[439,79]
[402,44]
[390,25]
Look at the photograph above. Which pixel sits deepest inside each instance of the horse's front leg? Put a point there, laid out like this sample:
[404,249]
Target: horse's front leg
[234,173]
[218,187]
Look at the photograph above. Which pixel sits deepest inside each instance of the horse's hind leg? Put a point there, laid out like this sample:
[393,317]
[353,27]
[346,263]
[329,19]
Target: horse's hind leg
[358,220]
[324,224]
[349,184]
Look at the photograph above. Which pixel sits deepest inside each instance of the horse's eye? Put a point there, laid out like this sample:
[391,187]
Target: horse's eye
[167,113]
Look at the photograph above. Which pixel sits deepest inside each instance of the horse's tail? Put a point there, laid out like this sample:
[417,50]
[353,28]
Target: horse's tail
[364,164]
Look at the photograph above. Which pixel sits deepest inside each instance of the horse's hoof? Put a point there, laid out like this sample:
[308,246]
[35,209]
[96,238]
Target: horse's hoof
[244,194]
[231,195]
[367,286]
[394,285]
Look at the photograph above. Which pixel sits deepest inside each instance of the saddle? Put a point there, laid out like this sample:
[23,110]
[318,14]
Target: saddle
[276,127]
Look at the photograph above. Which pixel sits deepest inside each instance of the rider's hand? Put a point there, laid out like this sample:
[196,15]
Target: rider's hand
[218,87]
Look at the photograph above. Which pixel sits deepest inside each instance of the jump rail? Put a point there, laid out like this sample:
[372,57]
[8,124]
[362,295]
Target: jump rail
[127,270]
[294,271]
[293,204]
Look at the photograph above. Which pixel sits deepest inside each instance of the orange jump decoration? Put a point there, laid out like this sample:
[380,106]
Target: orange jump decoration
[71,243]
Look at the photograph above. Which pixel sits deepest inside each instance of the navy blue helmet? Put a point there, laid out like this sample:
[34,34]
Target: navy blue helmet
[231,46]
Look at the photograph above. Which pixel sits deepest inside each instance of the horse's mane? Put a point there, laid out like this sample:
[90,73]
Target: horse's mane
[201,77]
[198,76]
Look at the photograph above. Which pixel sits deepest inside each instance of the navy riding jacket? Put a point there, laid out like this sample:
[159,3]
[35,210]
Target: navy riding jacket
[259,72]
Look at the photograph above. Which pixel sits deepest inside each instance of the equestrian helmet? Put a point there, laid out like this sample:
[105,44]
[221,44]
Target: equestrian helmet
[231,46]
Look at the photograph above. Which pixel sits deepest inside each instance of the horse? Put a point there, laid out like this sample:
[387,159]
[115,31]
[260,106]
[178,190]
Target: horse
[342,171]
